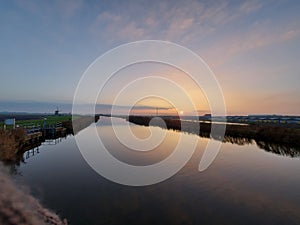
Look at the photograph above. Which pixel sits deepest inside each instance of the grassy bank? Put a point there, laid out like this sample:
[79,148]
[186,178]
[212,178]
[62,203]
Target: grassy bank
[19,207]
[10,142]
[13,142]
[259,133]
[41,121]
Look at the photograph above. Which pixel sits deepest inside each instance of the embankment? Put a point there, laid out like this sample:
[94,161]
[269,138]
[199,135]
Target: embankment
[14,143]
[259,133]
[10,142]
[19,207]
[77,124]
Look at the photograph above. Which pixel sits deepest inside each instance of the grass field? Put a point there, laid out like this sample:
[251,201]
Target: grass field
[14,141]
[39,122]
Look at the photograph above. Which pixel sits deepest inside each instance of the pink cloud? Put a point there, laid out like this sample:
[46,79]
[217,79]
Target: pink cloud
[256,38]
[250,6]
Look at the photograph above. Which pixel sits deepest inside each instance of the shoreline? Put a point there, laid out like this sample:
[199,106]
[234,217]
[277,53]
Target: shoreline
[260,133]
[14,142]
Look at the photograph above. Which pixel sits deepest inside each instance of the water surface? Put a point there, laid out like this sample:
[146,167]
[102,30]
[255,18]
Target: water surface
[244,185]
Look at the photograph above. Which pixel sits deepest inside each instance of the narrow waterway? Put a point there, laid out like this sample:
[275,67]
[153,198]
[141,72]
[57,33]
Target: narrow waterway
[244,185]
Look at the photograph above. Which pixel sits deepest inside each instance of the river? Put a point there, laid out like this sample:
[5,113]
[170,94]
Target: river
[244,185]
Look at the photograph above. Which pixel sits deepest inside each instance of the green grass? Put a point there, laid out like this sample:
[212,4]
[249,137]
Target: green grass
[50,120]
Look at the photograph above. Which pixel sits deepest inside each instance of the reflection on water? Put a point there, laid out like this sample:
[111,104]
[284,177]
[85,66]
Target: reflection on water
[238,141]
[244,185]
[279,149]
[275,148]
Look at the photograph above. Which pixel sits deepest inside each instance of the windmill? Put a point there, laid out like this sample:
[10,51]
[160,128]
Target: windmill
[56,112]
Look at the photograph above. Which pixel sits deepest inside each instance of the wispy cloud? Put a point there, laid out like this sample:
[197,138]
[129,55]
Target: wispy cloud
[250,6]
[243,42]
[182,22]
[62,37]
[112,27]
[43,9]
[161,22]
[69,8]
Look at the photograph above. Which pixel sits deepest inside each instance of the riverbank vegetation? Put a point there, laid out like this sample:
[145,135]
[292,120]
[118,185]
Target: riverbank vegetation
[10,142]
[39,121]
[13,142]
[259,133]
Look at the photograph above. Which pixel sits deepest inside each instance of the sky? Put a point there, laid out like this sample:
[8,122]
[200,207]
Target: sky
[252,47]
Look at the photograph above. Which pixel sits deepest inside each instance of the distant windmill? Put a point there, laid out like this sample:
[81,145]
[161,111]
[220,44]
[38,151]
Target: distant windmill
[56,112]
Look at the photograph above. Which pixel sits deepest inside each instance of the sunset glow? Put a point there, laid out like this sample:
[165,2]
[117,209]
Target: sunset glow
[149,112]
[252,49]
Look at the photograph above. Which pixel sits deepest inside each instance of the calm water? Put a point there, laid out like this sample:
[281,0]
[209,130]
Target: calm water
[244,185]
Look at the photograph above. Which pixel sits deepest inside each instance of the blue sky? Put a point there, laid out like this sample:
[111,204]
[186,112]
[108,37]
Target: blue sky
[253,47]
